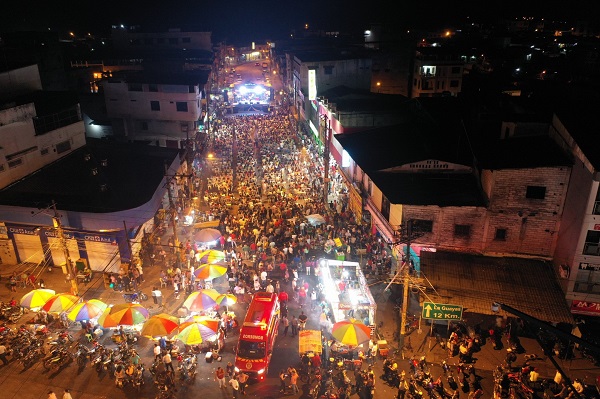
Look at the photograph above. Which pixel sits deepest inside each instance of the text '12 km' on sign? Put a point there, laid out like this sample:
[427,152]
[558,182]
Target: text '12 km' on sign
[440,311]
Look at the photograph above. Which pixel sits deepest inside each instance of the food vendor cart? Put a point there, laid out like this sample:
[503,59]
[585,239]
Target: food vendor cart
[309,341]
[346,291]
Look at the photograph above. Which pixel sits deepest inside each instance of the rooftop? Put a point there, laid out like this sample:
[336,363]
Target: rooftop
[475,282]
[132,175]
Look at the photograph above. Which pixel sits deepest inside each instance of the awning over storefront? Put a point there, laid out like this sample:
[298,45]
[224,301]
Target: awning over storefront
[475,282]
[382,225]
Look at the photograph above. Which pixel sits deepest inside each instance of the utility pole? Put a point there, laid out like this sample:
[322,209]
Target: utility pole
[71,274]
[233,160]
[173,211]
[326,162]
[406,236]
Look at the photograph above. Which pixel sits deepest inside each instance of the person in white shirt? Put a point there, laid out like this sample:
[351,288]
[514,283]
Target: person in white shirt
[157,296]
[263,277]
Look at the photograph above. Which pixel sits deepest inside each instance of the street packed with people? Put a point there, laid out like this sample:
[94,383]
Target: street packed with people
[253,219]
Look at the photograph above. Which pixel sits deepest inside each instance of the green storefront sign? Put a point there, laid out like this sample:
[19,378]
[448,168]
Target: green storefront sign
[440,311]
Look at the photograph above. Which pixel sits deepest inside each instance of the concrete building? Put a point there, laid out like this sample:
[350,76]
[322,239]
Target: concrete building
[160,108]
[36,128]
[437,71]
[50,172]
[135,38]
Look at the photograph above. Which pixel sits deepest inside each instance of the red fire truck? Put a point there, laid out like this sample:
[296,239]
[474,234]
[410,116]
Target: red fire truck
[257,335]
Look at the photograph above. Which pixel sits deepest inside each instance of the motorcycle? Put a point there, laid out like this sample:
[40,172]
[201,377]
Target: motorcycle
[135,297]
[63,338]
[82,354]
[188,367]
[414,390]
[137,378]
[35,354]
[60,359]
[10,313]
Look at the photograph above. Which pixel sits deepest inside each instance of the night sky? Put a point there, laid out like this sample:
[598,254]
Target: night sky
[261,19]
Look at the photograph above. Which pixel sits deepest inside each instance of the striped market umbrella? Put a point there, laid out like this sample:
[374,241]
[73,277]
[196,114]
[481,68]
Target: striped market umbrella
[210,323]
[36,298]
[159,325]
[195,333]
[210,270]
[351,332]
[201,300]
[87,310]
[226,299]
[211,256]
[59,303]
[124,314]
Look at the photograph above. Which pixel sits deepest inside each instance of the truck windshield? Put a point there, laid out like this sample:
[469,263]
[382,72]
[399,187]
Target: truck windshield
[251,350]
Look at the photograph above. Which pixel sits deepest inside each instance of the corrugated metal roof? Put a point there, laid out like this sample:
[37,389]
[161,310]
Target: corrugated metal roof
[476,281]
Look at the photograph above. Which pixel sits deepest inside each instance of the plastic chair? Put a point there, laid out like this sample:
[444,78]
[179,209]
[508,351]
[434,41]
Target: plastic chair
[89,337]
[163,283]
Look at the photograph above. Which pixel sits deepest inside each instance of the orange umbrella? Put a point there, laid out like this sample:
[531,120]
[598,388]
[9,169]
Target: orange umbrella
[160,325]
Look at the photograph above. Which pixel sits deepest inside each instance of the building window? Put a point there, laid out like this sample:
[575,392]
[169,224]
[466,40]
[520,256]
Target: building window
[462,230]
[455,70]
[423,226]
[135,87]
[454,83]
[181,106]
[328,70]
[588,278]
[536,192]
[15,163]
[500,235]
[155,105]
[144,125]
[148,41]
[186,40]
[173,40]
[385,208]
[153,88]
[191,89]
[160,40]
[63,147]
[592,243]
[44,151]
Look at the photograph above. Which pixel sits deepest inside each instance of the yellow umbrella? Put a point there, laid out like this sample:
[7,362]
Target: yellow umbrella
[60,303]
[36,298]
[351,332]
[195,333]
[87,310]
[160,325]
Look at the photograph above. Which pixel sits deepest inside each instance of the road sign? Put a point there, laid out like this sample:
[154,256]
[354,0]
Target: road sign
[440,311]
